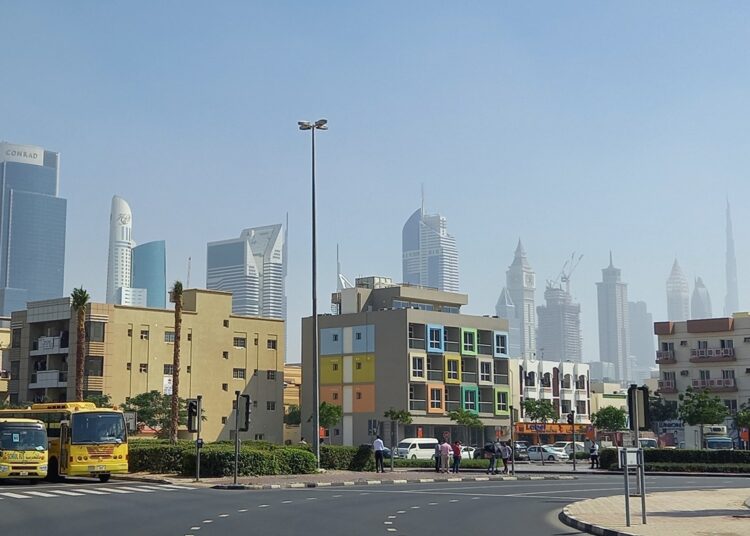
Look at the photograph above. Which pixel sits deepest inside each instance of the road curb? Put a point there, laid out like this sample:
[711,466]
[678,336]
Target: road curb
[301,485]
[577,524]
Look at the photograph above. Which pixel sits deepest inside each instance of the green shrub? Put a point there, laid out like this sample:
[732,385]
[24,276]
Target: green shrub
[347,458]
[465,463]
[157,457]
[218,461]
[699,467]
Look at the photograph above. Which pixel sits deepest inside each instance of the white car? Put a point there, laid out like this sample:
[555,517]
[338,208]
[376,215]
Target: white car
[567,446]
[547,453]
[467,453]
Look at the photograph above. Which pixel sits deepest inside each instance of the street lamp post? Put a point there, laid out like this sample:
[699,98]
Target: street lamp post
[320,124]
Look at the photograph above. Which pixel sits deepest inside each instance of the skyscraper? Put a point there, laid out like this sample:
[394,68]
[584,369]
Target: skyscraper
[32,226]
[678,295]
[520,287]
[253,268]
[559,330]
[136,275]
[505,308]
[614,321]
[429,253]
[731,301]
[641,340]
[700,304]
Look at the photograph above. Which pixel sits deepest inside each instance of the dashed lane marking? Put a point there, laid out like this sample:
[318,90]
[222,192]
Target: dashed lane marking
[90,491]
[40,494]
[15,496]
[115,490]
[66,493]
[144,490]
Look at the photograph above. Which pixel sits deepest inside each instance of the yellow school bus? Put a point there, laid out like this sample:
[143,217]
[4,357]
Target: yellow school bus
[83,440]
[23,449]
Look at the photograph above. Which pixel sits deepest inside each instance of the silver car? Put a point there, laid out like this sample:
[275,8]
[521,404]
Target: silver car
[539,453]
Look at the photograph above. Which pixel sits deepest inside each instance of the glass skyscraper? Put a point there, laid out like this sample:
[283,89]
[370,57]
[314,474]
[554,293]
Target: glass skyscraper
[32,226]
[430,257]
[150,272]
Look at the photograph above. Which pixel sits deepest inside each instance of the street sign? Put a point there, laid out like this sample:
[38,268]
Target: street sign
[628,456]
[131,421]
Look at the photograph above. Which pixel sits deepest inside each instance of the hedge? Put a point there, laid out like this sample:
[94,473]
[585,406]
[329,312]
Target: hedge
[699,467]
[683,457]
[218,461]
[157,457]
[347,458]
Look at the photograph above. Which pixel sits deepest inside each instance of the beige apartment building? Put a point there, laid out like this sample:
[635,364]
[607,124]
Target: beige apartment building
[292,386]
[4,351]
[711,354]
[129,351]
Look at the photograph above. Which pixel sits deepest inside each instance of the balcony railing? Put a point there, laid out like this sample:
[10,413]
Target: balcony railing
[664,357]
[416,343]
[451,346]
[501,379]
[434,374]
[707,355]
[469,377]
[452,405]
[667,386]
[718,384]
[417,405]
[486,407]
[484,349]
[45,379]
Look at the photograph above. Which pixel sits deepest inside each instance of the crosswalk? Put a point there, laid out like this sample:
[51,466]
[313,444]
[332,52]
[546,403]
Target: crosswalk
[81,491]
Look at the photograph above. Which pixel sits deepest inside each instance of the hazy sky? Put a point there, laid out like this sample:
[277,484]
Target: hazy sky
[578,126]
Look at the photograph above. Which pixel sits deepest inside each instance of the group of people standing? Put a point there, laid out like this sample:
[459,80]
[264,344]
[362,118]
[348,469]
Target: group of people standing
[499,450]
[443,451]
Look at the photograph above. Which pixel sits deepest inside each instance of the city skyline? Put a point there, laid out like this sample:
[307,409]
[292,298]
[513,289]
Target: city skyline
[430,256]
[573,147]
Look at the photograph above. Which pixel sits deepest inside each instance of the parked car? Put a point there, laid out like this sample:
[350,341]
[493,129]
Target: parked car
[521,453]
[567,446]
[416,448]
[547,453]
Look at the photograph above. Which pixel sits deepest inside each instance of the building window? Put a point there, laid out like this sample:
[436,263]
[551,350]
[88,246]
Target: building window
[452,369]
[168,370]
[144,334]
[358,336]
[727,374]
[702,345]
[726,343]
[435,398]
[188,369]
[16,338]
[335,337]
[501,401]
[240,342]
[270,374]
[359,395]
[225,355]
[143,367]
[435,338]
[255,341]
[255,403]
[271,344]
[259,437]
[169,336]
[130,332]
[334,366]
[358,365]
[94,366]
[731,406]
[223,420]
[238,373]
[667,346]
[271,405]
[95,331]
[530,379]
[334,396]
[225,387]
[190,336]
[501,343]
[485,371]
[128,366]
[470,400]
[226,323]
[468,341]
[417,367]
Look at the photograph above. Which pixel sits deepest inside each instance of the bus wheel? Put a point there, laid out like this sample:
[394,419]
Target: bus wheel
[52,475]
[104,478]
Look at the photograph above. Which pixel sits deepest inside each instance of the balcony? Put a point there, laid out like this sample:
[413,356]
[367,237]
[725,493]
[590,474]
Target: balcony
[469,377]
[484,349]
[500,379]
[665,357]
[712,355]
[434,375]
[452,405]
[451,346]
[49,345]
[486,407]
[417,344]
[667,386]
[48,379]
[417,405]
[719,385]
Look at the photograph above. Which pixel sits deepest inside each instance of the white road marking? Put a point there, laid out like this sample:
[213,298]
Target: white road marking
[15,496]
[142,490]
[336,496]
[454,500]
[65,492]
[115,490]
[391,517]
[173,486]
[92,491]
[40,494]
[195,528]
[262,506]
[286,502]
[242,510]
[223,515]
[415,507]
[208,521]
[431,504]
[387,522]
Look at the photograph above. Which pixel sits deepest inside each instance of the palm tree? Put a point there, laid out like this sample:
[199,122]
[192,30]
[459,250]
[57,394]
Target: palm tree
[80,299]
[176,298]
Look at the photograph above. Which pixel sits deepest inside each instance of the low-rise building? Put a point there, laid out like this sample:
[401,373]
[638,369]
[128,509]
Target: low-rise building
[129,351]
[711,354]
[4,357]
[407,348]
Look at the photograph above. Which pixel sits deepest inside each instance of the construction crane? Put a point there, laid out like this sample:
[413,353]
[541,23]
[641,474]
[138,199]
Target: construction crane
[567,270]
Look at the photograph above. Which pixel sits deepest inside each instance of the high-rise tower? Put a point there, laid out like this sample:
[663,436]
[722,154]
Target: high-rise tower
[521,285]
[32,226]
[700,304]
[120,258]
[252,268]
[641,340]
[429,253]
[505,308]
[678,295]
[559,332]
[614,321]
[731,301]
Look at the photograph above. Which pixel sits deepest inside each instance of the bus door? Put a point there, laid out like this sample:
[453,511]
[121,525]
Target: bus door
[64,447]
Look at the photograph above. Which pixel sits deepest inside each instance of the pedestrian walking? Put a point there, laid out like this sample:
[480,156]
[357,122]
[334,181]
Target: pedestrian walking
[505,453]
[445,454]
[437,456]
[379,448]
[489,453]
[594,455]
[456,456]
[498,454]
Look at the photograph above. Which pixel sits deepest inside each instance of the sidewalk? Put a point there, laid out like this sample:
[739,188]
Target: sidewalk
[724,512]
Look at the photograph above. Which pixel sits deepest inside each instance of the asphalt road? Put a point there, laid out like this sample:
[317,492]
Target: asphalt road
[127,508]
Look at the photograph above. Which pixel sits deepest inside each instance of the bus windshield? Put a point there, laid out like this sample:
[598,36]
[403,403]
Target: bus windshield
[719,443]
[20,437]
[97,428]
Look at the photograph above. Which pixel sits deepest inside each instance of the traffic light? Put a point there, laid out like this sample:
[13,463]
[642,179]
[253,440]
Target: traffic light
[572,417]
[243,407]
[638,407]
[192,415]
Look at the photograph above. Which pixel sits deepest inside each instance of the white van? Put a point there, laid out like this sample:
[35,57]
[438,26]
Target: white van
[416,448]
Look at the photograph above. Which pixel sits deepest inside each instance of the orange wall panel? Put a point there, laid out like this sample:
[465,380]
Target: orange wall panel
[364,398]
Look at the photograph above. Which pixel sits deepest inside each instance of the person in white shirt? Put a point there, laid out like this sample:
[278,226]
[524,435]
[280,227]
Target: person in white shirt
[378,447]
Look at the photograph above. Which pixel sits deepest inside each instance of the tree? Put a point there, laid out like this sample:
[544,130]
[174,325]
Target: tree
[467,419]
[176,297]
[539,411]
[330,415]
[742,419]
[101,401]
[293,415]
[661,410]
[153,409]
[610,419]
[396,416]
[698,408]
[80,298]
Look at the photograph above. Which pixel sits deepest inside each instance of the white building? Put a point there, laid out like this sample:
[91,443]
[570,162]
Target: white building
[614,321]
[678,295]
[429,253]
[700,304]
[120,259]
[520,287]
[253,268]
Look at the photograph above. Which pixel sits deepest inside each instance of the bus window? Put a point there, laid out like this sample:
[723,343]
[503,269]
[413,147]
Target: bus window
[98,428]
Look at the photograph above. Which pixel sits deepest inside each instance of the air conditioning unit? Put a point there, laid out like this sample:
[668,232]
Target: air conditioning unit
[747,371]
[684,373]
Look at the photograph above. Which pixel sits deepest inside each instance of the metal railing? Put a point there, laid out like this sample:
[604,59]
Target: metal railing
[452,405]
[500,379]
[434,374]
[451,346]
[469,377]
[484,349]
[718,383]
[416,343]
[486,407]
[417,405]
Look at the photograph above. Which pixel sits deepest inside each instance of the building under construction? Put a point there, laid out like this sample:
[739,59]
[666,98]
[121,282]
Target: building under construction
[559,320]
